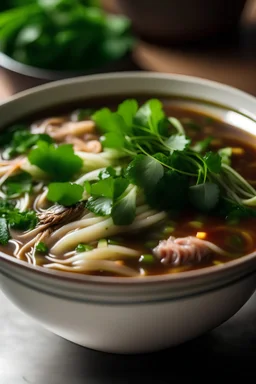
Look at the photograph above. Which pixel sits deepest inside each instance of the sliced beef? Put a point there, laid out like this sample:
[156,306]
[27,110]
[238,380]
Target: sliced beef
[59,215]
[180,251]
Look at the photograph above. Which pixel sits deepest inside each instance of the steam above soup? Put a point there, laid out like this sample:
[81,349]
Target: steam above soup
[135,190]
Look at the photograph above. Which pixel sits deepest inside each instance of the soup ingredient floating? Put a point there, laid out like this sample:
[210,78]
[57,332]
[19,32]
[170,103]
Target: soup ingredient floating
[64,35]
[133,191]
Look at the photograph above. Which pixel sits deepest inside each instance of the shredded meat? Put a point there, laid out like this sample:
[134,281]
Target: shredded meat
[93,146]
[58,214]
[180,251]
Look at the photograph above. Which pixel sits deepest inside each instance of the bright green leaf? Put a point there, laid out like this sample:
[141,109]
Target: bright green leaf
[104,188]
[124,210]
[127,109]
[150,115]
[213,161]
[100,206]
[113,140]
[120,185]
[65,193]
[108,121]
[60,162]
[144,171]
[18,185]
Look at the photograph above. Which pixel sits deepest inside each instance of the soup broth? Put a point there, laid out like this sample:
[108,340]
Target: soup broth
[77,197]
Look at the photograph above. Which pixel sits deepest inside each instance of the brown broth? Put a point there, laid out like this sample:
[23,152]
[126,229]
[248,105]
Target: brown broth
[190,223]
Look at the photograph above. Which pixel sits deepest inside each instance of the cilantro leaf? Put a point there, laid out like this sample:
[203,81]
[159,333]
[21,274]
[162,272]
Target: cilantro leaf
[6,205]
[65,193]
[113,140]
[109,187]
[213,161]
[100,206]
[7,136]
[107,172]
[204,197]
[170,192]
[59,162]
[108,121]
[22,140]
[4,231]
[120,185]
[22,220]
[104,188]
[177,143]
[124,210]
[144,171]
[127,109]
[17,185]
[150,115]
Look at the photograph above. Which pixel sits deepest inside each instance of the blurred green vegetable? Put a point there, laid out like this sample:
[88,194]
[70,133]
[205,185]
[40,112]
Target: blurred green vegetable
[74,35]
[8,4]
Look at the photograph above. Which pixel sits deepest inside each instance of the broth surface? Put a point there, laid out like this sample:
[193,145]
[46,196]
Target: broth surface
[237,237]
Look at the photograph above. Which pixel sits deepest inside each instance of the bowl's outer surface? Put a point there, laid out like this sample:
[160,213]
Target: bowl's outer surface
[118,314]
[137,327]
[20,77]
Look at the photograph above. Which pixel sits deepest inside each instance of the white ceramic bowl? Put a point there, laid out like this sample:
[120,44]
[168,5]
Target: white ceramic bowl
[129,315]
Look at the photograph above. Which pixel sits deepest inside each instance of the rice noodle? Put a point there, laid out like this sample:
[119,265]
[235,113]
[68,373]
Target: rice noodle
[102,229]
[11,170]
[109,252]
[96,265]
[59,233]
[93,175]
[27,247]
[23,202]
[40,201]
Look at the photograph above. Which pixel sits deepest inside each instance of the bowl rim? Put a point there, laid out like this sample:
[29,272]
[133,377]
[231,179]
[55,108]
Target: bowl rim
[100,280]
[12,65]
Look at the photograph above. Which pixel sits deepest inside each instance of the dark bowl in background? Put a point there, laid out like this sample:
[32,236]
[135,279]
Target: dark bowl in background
[19,77]
[180,21]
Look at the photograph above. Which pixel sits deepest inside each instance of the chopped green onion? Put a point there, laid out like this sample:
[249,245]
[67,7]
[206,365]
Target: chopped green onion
[235,241]
[41,247]
[151,244]
[113,242]
[196,224]
[102,243]
[168,230]
[147,259]
[83,248]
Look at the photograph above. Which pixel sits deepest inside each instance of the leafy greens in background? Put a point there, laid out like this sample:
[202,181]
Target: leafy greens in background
[73,35]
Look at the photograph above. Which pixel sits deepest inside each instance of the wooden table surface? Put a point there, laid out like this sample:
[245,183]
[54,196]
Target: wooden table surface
[229,59]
